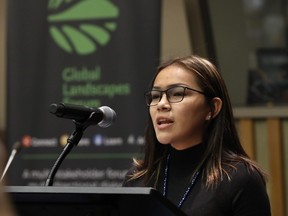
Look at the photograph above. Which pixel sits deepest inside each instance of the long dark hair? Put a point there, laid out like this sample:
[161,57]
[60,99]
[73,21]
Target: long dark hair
[221,140]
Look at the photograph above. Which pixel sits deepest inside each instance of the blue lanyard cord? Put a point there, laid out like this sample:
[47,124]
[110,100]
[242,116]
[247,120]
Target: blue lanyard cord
[165,176]
[194,178]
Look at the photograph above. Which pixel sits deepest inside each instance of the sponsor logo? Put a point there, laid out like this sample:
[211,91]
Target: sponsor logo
[28,141]
[82,26]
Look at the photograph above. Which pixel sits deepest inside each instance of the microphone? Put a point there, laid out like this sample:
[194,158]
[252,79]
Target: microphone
[15,149]
[104,116]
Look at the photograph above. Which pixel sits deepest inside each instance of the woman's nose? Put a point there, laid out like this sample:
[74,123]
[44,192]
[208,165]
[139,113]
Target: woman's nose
[164,102]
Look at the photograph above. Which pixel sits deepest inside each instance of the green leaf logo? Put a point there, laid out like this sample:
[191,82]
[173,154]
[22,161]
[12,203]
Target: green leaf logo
[82,26]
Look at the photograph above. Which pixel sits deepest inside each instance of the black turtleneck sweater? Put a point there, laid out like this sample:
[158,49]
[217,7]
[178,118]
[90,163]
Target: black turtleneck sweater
[243,195]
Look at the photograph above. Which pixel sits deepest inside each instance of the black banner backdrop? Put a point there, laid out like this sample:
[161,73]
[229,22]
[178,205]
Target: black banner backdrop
[86,52]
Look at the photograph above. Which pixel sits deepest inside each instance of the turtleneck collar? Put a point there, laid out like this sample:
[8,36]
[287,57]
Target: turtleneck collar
[181,166]
[187,156]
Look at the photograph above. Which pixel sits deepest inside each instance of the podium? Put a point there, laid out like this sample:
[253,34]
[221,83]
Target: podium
[89,201]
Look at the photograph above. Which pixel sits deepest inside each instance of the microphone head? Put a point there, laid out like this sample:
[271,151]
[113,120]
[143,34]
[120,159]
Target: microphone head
[17,146]
[109,116]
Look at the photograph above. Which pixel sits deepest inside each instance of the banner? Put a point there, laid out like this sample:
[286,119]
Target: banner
[85,52]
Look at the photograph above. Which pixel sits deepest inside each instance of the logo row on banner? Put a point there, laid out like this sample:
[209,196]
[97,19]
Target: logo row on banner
[28,141]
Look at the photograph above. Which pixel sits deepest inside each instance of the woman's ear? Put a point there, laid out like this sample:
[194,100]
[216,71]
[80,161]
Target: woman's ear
[217,105]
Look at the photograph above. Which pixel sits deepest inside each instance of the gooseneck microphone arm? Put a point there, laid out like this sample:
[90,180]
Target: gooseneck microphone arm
[72,141]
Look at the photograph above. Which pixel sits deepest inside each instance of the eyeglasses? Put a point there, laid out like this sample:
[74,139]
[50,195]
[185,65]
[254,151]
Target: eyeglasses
[174,95]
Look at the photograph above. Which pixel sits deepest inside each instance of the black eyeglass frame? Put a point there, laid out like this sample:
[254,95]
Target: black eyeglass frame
[148,93]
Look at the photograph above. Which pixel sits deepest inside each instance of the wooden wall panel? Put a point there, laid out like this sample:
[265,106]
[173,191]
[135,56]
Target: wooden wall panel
[277,189]
[246,129]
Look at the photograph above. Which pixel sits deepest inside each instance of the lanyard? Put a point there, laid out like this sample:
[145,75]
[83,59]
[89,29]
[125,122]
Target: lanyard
[184,197]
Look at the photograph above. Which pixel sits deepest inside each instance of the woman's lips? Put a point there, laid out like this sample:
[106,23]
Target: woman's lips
[163,123]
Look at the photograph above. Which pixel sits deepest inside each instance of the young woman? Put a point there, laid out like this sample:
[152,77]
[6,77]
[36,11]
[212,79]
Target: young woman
[193,155]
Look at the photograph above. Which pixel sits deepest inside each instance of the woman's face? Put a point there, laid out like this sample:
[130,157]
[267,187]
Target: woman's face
[180,124]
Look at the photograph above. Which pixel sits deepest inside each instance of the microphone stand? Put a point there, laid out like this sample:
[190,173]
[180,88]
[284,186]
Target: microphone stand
[72,141]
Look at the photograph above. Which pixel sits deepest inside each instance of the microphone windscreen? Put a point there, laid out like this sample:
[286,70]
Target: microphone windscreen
[109,117]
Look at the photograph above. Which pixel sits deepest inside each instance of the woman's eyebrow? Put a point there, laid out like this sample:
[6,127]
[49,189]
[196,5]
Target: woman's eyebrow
[170,86]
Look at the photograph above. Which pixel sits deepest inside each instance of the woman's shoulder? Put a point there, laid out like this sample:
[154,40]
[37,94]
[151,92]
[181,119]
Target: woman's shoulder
[246,189]
[129,181]
[243,173]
